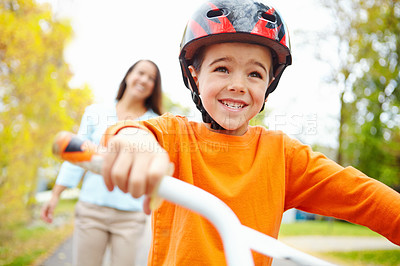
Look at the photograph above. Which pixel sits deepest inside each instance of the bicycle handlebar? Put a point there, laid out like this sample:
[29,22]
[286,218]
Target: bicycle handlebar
[237,239]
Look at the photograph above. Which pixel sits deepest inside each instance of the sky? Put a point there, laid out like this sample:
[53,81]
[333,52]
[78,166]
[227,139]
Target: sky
[109,36]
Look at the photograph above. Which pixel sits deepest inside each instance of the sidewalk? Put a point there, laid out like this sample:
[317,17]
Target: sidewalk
[309,244]
[63,256]
[338,243]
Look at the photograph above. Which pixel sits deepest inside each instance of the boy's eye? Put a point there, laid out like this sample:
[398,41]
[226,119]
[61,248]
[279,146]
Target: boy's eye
[255,75]
[221,69]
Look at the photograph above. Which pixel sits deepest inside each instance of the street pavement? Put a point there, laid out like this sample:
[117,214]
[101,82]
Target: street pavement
[309,244]
[62,256]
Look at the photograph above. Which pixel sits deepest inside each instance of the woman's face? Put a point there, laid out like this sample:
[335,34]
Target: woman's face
[140,81]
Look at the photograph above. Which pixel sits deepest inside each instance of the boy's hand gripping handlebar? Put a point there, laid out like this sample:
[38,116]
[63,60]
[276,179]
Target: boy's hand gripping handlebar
[237,239]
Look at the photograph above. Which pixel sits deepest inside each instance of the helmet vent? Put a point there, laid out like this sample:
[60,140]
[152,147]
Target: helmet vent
[269,17]
[215,13]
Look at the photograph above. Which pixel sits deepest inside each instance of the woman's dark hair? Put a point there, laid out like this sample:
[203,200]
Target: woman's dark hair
[154,101]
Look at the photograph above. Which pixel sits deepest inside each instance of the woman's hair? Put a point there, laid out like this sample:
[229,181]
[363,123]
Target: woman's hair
[154,101]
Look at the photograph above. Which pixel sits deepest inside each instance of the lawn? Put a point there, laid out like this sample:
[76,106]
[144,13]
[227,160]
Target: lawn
[31,244]
[361,258]
[339,228]
[326,228]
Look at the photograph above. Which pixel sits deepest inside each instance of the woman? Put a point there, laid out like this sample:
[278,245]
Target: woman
[110,218]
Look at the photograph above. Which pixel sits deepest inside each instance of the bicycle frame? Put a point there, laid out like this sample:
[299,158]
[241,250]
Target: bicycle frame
[238,240]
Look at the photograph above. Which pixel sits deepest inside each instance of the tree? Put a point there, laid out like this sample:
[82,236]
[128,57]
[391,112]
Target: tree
[35,100]
[173,107]
[377,54]
[368,41]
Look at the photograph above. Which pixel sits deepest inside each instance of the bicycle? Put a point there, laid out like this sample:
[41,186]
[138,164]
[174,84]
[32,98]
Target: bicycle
[238,240]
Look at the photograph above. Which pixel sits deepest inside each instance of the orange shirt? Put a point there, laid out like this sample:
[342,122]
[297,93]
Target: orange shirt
[258,175]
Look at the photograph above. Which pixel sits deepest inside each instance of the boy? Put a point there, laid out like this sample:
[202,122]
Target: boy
[232,56]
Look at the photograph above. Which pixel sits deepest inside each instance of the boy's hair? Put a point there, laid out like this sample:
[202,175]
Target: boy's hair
[222,21]
[199,57]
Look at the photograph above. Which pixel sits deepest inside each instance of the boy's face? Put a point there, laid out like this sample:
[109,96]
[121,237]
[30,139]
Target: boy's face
[232,82]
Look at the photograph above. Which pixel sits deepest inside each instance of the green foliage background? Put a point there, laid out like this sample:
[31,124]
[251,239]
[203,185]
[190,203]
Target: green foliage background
[368,45]
[35,101]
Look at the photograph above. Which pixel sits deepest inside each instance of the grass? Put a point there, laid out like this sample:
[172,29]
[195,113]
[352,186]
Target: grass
[31,244]
[361,258]
[326,228]
[338,228]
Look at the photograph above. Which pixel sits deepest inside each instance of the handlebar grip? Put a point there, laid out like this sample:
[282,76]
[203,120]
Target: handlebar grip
[83,153]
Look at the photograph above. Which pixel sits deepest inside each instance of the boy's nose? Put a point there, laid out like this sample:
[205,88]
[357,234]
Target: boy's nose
[237,84]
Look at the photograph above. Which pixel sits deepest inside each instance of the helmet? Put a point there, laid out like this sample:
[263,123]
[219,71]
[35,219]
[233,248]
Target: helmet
[248,21]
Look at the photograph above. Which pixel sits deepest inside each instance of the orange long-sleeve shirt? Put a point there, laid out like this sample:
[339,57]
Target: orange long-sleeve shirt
[258,175]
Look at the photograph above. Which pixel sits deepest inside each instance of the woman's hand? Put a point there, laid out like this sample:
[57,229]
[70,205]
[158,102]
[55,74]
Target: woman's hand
[48,209]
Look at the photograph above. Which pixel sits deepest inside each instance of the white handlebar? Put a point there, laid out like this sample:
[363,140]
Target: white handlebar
[217,212]
[237,239]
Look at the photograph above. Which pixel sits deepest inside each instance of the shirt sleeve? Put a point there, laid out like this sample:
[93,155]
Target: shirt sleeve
[317,184]
[69,175]
[160,127]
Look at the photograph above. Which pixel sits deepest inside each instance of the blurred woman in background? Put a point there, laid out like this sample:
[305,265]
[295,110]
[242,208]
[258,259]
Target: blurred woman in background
[102,217]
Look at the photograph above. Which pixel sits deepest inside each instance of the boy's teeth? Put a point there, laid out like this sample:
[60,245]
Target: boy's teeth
[233,105]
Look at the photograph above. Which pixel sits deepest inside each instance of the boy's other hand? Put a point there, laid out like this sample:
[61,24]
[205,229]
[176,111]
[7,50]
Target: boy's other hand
[134,162]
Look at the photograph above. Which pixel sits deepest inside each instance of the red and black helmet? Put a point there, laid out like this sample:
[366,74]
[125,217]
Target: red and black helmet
[248,21]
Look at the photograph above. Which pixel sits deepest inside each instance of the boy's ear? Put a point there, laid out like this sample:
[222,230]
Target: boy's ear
[193,72]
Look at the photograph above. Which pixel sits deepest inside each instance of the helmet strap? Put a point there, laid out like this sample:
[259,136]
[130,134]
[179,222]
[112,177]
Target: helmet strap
[196,98]
[199,104]
[274,82]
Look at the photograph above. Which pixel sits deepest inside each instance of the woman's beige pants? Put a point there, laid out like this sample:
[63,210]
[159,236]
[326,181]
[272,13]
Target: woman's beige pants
[127,234]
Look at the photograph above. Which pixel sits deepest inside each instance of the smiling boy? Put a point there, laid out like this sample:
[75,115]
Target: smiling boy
[232,56]
[232,81]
